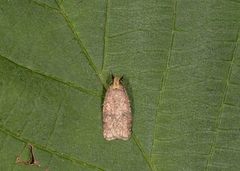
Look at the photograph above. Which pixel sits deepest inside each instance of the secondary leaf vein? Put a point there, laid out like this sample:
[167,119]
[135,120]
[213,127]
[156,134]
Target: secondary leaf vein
[69,84]
[51,151]
[45,6]
[105,35]
[80,43]
[218,122]
[138,144]
[166,71]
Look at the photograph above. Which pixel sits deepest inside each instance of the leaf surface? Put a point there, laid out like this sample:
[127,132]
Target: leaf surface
[181,65]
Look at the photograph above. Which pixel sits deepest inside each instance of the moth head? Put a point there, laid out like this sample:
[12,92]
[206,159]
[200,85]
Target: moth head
[117,82]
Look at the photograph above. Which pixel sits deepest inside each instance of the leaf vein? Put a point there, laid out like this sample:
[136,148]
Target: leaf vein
[45,6]
[218,120]
[80,43]
[55,122]
[138,144]
[15,104]
[105,35]
[165,72]
[50,151]
[68,84]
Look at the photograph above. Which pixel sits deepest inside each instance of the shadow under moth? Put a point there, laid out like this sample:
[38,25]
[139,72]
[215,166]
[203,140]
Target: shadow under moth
[117,115]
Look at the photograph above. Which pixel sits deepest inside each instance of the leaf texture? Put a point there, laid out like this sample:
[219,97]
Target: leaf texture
[181,65]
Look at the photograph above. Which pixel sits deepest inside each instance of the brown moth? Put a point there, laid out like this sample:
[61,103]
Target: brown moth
[117,115]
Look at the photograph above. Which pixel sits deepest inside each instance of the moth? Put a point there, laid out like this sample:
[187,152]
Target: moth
[117,115]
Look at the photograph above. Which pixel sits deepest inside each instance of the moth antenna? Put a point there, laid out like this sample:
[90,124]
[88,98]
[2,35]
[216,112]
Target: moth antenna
[121,78]
[112,77]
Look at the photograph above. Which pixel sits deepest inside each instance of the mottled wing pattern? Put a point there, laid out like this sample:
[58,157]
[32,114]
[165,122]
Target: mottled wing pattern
[117,117]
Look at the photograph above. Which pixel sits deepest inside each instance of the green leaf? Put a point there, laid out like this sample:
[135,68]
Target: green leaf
[181,65]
